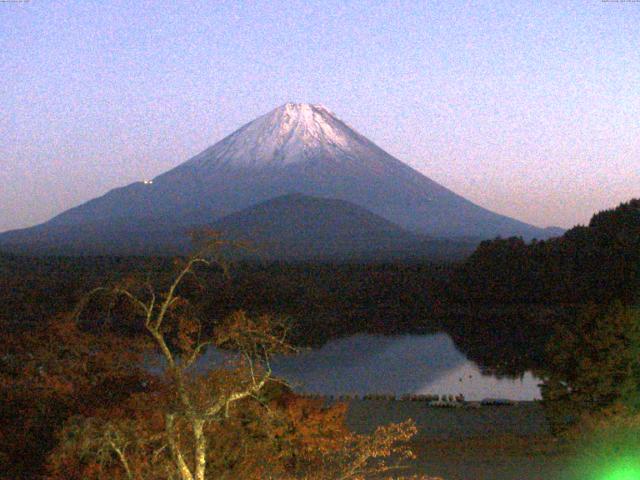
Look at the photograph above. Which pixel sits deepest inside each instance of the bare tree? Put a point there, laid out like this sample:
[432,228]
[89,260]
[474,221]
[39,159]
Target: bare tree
[199,399]
[302,440]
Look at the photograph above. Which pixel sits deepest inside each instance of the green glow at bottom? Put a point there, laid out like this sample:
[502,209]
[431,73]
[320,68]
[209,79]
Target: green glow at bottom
[622,470]
[609,454]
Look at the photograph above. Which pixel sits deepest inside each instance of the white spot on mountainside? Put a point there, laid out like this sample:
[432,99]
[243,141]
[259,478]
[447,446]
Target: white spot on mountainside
[291,133]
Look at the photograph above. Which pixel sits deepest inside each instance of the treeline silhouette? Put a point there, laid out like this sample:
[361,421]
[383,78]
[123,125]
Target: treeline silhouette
[595,263]
[324,299]
[513,295]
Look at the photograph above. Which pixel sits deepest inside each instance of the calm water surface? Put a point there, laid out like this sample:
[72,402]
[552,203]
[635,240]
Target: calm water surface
[429,364]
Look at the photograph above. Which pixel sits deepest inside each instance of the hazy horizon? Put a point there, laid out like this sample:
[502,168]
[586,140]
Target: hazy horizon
[529,111]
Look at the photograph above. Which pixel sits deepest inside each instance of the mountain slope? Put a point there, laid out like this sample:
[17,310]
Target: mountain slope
[295,148]
[299,227]
[291,227]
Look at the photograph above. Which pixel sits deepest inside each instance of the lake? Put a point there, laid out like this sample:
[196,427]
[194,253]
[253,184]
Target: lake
[401,364]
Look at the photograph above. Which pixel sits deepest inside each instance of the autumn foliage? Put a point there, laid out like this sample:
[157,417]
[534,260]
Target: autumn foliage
[91,403]
[51,373]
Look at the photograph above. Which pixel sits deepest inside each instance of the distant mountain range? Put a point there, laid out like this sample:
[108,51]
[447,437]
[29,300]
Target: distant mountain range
[371,201]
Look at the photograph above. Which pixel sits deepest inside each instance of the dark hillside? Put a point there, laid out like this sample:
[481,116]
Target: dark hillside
[506,300]
[299,227]
[595,263]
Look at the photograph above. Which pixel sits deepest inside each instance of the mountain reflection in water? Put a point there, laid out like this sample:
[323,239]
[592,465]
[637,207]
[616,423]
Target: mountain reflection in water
[364,363]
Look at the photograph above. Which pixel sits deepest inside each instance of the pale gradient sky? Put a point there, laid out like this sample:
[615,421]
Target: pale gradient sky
[528,108]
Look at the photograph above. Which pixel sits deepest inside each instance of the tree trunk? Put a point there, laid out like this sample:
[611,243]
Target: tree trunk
[201,449]
[181,465]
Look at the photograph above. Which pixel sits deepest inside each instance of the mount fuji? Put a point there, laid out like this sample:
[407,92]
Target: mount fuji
[296,148]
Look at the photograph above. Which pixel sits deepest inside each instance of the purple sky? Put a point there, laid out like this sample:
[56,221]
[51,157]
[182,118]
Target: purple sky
[528,108]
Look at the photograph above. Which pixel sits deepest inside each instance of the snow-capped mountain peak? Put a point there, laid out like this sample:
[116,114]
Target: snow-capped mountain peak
[295,148]
[291,133]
